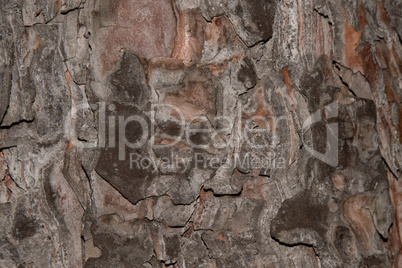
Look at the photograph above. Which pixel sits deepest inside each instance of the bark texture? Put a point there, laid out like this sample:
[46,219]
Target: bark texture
[200,133]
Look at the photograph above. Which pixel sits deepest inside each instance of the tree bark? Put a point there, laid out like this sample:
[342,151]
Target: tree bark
[200,133]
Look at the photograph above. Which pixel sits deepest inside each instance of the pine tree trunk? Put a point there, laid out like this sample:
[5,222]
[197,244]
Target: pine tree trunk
[200,133]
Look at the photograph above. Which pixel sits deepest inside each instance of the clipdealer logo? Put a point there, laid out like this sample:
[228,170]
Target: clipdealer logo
[117,126]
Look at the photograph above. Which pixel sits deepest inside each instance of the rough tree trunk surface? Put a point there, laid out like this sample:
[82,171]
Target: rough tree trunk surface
[200,133]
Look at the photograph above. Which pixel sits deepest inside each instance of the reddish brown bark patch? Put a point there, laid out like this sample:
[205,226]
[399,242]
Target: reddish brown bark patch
[144,27]
[359,216]
[369,65]
[189,39]
[352,41]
